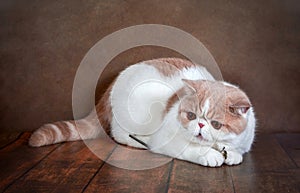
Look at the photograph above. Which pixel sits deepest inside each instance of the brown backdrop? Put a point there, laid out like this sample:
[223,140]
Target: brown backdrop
[256,44]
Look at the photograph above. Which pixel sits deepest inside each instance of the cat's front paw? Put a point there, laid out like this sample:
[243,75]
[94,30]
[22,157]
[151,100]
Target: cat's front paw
[233,158]
[212,158]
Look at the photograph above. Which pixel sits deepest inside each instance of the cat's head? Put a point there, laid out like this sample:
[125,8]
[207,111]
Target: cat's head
[213,110]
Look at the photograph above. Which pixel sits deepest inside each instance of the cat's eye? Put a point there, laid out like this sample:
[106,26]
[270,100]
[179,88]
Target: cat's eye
[232,110]
[191,116]
[216,124]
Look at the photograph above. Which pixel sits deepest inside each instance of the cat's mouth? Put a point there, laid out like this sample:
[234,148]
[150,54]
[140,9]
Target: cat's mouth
[199,136]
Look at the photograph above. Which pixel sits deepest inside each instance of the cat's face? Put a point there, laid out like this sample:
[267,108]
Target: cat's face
[213,111]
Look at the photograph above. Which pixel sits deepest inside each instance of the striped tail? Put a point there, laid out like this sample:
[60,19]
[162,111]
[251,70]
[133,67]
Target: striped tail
[64,131]
[87,128]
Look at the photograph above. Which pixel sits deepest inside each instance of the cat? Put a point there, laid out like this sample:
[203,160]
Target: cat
[172,107]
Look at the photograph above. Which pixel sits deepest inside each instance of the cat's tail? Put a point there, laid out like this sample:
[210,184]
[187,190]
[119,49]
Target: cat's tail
[87,128]
[64,131]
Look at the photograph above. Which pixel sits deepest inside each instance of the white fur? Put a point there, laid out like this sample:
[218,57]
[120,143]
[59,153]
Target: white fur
[205,107]
[139,97]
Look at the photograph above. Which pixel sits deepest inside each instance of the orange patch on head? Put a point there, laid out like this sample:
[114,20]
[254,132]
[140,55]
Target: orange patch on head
[227,104]
[188,104]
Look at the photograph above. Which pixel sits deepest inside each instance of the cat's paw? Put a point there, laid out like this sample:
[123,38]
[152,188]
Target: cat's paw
[233,158]
[212,158]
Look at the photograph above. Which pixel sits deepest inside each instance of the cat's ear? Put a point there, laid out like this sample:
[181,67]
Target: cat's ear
[239,109]
[190,86]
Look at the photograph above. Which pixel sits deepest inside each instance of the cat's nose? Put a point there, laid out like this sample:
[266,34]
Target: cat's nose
[201,125]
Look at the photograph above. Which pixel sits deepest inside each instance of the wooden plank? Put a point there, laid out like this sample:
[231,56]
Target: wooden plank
[17,158]
[68,169]
[72,167]
[267,168]
[291,144]
[266,155]
[136,159]
[285,181]
[114,179]
[188,177]
[7,138]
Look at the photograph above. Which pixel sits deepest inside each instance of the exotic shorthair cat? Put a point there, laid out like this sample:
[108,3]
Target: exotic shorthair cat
[171,106]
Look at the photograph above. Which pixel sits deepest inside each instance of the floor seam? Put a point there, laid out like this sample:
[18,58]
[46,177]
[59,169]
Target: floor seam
[232,181]
[278,141]
[10,184]
[12,142]
[101,166]
[169,175]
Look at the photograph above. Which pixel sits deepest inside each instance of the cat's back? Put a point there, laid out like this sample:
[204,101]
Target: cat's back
[153,76]
[167,68]
[141,92]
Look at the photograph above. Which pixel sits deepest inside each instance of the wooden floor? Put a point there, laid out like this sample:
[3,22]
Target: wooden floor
[272,166]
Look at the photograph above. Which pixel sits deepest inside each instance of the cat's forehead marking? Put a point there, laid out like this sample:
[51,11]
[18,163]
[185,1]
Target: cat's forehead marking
[205,107]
